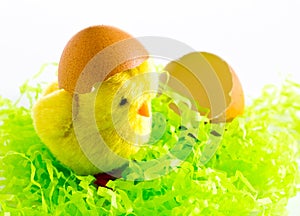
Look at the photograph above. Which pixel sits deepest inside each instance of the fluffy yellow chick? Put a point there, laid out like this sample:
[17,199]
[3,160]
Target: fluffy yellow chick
[98,131]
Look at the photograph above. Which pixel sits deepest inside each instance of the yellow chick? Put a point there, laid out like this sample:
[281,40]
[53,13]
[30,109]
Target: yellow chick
[119,110]
[93,121]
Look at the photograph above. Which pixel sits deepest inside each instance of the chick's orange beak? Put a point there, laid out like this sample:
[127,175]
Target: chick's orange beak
[144,110]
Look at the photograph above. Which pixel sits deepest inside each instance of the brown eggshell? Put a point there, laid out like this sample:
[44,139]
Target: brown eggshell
[211,82]
[96,53]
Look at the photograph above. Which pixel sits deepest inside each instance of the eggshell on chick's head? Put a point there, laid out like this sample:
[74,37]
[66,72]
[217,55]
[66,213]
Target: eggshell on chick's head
[96,53]
[211,82]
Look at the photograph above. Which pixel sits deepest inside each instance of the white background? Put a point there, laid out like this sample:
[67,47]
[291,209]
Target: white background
[259,38]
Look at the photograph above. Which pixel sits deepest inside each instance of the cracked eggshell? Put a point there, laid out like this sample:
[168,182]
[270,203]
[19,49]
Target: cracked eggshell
[211,82]
[96,53]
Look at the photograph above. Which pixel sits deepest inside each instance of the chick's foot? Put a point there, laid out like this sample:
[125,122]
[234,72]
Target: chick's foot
[103,178]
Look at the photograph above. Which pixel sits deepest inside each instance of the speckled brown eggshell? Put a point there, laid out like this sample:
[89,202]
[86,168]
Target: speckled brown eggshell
[83,49]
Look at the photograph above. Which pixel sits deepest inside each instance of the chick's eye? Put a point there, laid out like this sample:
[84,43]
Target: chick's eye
[123,101]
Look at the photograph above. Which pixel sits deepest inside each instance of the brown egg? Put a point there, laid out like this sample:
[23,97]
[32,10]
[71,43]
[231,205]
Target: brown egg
[211,82]
[96,53]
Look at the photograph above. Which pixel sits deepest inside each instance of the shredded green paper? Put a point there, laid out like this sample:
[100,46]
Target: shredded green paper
[253,172]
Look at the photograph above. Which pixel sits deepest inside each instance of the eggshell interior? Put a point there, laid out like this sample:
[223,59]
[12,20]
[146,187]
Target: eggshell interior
[211,82]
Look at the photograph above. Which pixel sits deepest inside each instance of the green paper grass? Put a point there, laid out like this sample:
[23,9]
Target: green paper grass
[253,172]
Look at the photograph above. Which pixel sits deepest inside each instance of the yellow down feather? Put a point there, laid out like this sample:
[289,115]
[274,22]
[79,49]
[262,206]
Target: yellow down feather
[73,125]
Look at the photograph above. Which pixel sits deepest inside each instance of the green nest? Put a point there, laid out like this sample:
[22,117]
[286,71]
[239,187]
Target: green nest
[254,170]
